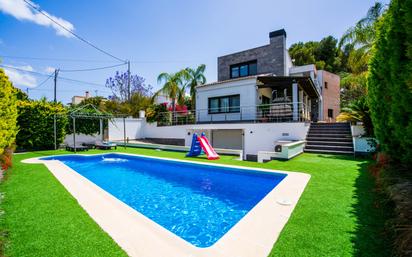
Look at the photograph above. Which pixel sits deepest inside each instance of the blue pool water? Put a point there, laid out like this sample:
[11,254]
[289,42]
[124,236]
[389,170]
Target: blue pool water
[199,203]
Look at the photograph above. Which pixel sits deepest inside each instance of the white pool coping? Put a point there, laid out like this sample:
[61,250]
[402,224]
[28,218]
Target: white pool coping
[253,236]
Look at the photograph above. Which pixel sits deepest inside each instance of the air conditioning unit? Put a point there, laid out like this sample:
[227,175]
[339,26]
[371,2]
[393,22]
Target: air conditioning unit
[278,148]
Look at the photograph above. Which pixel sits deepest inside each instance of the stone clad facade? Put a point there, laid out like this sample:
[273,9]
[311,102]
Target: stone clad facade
[270,58]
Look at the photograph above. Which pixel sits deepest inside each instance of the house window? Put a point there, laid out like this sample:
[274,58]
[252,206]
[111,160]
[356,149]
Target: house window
[330,113]
[326,84]
[224,104]
[243,69]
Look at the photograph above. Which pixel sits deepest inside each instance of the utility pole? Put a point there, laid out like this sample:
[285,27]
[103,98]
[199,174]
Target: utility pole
[128,80]
[56,72]
[27,91]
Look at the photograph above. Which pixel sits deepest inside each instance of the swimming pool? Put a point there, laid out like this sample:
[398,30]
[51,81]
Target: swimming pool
[199,203]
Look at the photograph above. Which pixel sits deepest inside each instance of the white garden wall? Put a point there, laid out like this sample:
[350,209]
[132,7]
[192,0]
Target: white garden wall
[361,144]
[151,130]
[134,128]
[256,136]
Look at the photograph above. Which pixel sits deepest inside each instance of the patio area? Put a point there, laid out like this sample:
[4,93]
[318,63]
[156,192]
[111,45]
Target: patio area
[339,200]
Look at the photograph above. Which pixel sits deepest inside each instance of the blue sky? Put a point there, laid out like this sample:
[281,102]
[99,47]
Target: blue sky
[157,36]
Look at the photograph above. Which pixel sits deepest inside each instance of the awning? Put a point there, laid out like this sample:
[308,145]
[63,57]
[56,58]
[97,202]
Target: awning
[306,83]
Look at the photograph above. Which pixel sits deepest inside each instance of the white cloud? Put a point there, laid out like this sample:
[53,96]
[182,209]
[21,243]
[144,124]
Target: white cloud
[49,69]
[22,11]
[20,78]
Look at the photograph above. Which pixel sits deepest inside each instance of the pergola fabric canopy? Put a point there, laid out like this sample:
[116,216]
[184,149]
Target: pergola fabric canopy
[305,82]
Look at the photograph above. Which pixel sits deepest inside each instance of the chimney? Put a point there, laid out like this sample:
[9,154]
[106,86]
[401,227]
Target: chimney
[87,94]
[276,35]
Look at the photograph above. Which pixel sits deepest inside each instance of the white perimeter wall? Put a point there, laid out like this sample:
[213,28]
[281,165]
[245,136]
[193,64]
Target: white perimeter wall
[134,128]
[257,136]
[361,144]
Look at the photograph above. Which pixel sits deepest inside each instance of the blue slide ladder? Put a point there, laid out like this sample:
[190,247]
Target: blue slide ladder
[195,148]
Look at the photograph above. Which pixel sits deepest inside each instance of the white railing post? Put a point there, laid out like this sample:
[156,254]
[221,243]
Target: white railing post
[295,101]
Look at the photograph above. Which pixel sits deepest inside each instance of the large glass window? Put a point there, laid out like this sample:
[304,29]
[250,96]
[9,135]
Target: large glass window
[214,105]
[224,104]
[243,69]
[234,72]
[253,68]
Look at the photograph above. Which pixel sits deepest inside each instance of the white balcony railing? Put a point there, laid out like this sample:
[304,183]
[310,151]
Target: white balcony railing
[279,112]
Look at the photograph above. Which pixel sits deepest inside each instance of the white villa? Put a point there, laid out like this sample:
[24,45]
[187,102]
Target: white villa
[260,101]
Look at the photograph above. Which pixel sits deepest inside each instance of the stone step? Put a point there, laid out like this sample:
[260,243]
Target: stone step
[329,139]
[327,151]
[331,135]
[329,125]
[330,131]
[330,147]
[332,143]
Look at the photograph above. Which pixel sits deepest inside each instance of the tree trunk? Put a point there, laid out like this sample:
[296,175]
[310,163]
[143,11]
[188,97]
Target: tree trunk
[174,109]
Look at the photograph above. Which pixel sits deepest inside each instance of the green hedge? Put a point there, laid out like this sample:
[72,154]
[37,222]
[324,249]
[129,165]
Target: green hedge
[87,126]
[390,82]
[8,112]
[35,121]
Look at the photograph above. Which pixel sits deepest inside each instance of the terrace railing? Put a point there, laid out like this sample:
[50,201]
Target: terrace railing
[264,113]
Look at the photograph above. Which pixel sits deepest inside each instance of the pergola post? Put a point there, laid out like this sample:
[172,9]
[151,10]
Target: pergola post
[295,100]
[124,132]
[74,133]
[101,128]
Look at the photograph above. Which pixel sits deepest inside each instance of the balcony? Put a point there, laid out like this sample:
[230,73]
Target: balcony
[265,113]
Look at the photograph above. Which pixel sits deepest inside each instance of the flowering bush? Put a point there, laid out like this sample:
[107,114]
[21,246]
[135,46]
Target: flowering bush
[8,114]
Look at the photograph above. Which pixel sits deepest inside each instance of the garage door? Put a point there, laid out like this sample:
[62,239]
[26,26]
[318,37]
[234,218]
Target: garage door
[227,138]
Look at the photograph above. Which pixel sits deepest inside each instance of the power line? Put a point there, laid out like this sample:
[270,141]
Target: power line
[96,61]
[43,74]
[53,59]
[63,90]
[71,32]
[81,81]
[39,85]
[19,69]
[93,69]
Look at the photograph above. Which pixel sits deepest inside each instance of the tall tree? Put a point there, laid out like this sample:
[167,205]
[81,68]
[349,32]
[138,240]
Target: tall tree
[362,35]
[119,86]
[390,82]
[173,86]
[195,77]
[326,51]
[323,53]
[8,114]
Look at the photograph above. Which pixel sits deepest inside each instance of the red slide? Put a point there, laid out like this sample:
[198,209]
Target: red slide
[207,148]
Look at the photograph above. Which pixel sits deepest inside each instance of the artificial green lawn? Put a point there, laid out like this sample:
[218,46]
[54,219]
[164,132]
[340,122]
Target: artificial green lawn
[336,215]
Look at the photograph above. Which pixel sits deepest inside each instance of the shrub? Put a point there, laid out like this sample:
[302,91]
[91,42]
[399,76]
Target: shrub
[358,110]
[36,124]
[8,120]
[390,82]
[156,113]
[390,102]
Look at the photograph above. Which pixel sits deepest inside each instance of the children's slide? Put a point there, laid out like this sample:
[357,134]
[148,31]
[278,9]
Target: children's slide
[195,149]
[199,143]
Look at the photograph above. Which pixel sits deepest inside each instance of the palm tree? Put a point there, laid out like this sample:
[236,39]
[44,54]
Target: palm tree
[173,87]
[358,110]
[363,33]
[195,77]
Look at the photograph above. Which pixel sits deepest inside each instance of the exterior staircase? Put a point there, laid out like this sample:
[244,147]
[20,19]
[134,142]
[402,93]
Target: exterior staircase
[333,138]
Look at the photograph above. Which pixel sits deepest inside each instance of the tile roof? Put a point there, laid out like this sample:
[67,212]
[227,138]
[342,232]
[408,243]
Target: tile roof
[235,79]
